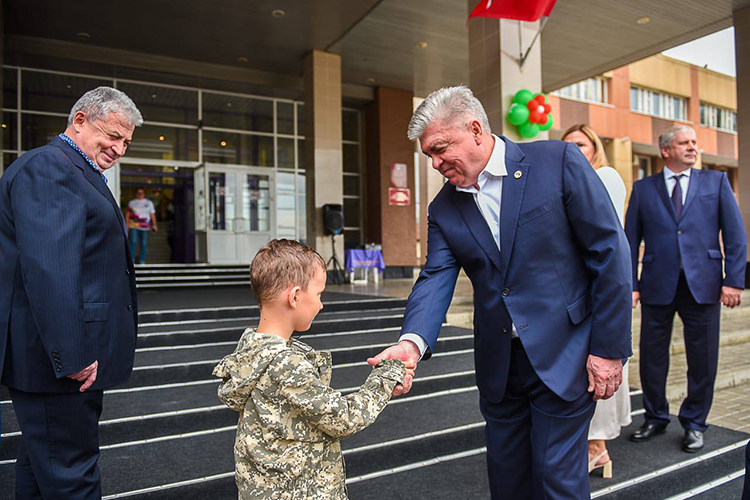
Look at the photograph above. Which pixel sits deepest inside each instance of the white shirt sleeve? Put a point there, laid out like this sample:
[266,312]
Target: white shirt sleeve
[418,340]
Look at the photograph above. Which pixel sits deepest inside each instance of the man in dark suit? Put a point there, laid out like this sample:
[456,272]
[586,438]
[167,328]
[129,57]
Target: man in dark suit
[534,229]
[679,214]
[68,310]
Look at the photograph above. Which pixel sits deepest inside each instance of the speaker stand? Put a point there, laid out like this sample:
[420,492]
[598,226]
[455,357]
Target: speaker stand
[337,269]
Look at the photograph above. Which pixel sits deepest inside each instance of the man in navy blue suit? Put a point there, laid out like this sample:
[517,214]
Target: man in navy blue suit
[534,229]
[679,214]
[68,310]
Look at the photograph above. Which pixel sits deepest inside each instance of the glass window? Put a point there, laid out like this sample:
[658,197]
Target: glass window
[351,158]
[302,208]
[39,130]
[164,143]
[285,118]
[163,104]
[285,152]
[10,88]
[351,185]
[350,125]
[351,212]
[353,238]
[634,99]
[301,155]
[221,192]
[53,92]
[238,149]
[240,113]
[8,158]
[300,119]
[256,202]
[10,130]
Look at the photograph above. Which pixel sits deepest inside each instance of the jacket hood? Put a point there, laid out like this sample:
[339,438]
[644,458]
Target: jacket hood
[241,370]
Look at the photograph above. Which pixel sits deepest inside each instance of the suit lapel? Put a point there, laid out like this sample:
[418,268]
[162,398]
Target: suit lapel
[473,219]
[661,188]
[510,206]
[693,188]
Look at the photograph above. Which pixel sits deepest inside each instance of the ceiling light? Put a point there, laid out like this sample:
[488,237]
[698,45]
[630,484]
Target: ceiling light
[68,86]
[278,13]
[229,104]
[421,45]
[161,137]
[370,80]
[84,36]
[223,143]
[153,96]
[643,20]
[242,59]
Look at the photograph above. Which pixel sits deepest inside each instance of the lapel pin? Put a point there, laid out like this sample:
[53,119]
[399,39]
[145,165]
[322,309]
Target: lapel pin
[518,174]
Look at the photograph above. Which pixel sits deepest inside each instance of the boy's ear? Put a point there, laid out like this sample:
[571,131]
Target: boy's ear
[293,296]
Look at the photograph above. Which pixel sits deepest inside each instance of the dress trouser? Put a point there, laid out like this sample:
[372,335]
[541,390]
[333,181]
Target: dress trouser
[702,349]
[537,443]
[59,450]
[746,490]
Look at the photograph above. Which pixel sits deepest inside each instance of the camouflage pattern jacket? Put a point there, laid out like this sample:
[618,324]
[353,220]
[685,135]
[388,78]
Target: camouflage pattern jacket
[287,445]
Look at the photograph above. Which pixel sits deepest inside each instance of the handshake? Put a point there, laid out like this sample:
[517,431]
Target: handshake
[407,352]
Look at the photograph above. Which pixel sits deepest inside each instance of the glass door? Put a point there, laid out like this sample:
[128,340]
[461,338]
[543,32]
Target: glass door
[239,218]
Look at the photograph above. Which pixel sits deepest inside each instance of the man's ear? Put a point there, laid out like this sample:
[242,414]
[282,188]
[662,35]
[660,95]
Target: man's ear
[476,130]
[79,119]
[293,296]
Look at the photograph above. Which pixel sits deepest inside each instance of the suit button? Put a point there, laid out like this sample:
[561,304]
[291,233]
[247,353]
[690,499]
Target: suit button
[127,271]
[59,369]
[506,329]
[679,232]
[506,292]
[130,307]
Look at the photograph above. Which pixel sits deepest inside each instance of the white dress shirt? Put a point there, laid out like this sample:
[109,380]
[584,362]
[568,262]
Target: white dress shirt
[684,182]
[488,197]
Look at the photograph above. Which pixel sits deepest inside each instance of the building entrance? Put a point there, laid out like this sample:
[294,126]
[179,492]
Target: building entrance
[235,212]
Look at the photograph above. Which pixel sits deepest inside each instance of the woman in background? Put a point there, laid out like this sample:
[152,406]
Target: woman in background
[614,413]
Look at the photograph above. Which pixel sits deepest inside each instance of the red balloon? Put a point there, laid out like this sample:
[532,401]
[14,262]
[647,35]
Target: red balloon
[543,120]
[540,99]
[547,108]
[532,104]
[535,116]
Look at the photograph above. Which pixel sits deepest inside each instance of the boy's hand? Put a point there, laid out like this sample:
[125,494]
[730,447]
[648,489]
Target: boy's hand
[405,351]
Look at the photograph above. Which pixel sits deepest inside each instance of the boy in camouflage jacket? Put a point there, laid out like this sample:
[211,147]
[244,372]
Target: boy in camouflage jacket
[287,444]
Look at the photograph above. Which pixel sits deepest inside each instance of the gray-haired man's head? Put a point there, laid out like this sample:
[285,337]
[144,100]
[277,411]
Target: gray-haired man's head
[101,123]
[454,132]
[679,148]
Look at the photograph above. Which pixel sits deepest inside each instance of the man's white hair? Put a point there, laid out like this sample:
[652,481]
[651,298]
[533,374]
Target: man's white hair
[455,105]
[665,139]
[101,101]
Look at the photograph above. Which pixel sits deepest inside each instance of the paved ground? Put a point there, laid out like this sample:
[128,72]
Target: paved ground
[731,406]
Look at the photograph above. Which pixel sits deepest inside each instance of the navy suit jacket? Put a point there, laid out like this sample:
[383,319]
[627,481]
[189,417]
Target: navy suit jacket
[710,207]
[67,283]
[563,271]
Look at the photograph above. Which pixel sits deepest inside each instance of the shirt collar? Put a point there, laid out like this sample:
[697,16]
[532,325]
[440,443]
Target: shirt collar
[67,140]
[668,173]
[495,167]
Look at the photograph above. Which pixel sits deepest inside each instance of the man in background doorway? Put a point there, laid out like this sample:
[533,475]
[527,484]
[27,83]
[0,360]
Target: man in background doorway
[140,219]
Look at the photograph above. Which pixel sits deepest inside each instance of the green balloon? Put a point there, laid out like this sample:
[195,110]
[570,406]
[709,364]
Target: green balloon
[523,96]
[518,114]
[528,130]
[547,125]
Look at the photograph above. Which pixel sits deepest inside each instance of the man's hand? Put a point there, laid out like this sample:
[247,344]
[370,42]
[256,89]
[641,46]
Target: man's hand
[730,296]
[406,351]
[636,298]
[87,376]
[605,376]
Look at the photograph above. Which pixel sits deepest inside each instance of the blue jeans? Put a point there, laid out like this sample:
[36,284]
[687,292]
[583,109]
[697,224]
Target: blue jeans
[142,237]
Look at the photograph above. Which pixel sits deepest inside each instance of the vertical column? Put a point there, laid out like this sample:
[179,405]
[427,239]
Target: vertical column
[391,222]
[495,74]
[742,54]
[620,156]
[324,176]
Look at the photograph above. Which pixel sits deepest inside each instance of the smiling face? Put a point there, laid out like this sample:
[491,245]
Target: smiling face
[308,301]
[682,153]
[458,152]
[103,141]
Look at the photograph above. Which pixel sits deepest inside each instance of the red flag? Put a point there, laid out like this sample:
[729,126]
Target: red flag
[521,10]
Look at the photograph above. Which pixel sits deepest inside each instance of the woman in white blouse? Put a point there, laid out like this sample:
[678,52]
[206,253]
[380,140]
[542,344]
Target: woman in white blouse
[614,413]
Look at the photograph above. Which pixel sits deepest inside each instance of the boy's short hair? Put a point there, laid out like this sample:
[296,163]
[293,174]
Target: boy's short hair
[280,264]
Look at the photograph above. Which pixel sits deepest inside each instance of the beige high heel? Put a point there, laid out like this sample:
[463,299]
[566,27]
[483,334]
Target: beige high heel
[606,466]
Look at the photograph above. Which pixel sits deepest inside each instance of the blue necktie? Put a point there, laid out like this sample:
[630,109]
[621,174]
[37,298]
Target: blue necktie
[677,195]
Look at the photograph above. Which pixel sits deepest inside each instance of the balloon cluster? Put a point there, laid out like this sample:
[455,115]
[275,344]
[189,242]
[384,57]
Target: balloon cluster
[530,113]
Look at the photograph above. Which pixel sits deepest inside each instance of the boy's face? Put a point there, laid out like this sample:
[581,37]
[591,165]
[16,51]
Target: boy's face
[308,302]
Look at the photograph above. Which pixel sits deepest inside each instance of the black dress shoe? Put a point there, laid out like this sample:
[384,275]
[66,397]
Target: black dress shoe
[647,431]
[693,441]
